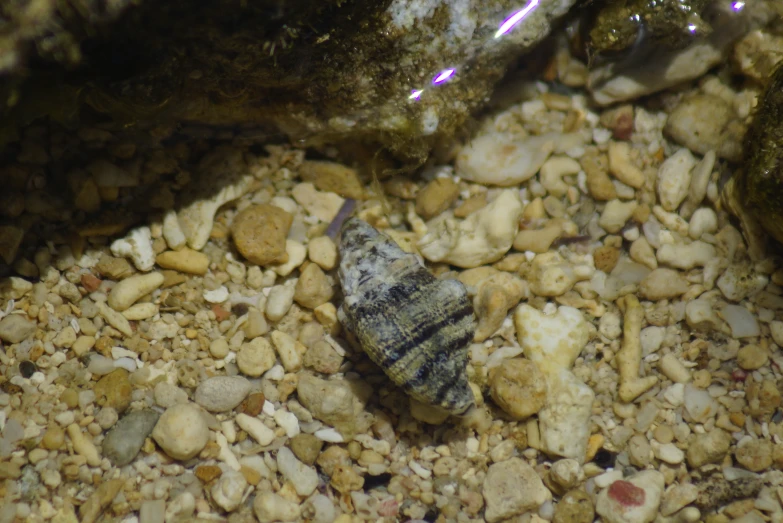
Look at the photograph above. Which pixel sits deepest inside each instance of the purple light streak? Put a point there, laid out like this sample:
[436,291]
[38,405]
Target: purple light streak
[443,76]
[737,6]
[415,94]
[509,23]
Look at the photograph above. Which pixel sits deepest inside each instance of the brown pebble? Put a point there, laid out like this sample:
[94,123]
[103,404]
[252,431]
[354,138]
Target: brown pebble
[90,282]
[114,390]
[260,232]
[436,197]
[471,205]
[606,258]
[221,314]
[332,457]
[251,475]
[207,473]
[253,404]
[312,288]
[518,387]
[333,177]
[70,397]
[306,447]
[10,470]
[345,479]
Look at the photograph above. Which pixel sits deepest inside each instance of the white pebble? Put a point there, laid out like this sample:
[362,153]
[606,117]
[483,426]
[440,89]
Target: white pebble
[218,295]
[256,428]
[280,299]
[288,421]
[228,490]
[137,246]
[329,435]
[704,220]
[303,478]
[674,178]
[131,289]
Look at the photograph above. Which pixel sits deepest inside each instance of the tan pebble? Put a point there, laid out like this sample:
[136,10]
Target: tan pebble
[345,479]
[140,311]
[471,205]
[333,177]
[662,284]
[115,319]
[616,214]
[207,473]
[755,455]
[255,357]
[255,325]
[323,251]
[642,252]
[752,357]
[321,357]
[518,387]
[53,438]
[306,447]
[427,413]
[296,253]
[574,507]
[321,204]
[184,260]
[172,278]
[663,434]
[289,350]
[672,368]
[70,397]
[83,445]
[114,390]
[596,167]
[259,233]
[708,448]
[130,290]
[10,470]
[594,443]
[331,457]
[495,298]
[622,167]
[312,288]
[219,348]
[99,500]
[606,258]
[326,315]
[539,240]
[436,197]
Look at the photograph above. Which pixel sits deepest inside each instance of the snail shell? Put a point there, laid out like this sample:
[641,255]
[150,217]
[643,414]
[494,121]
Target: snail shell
[413,326]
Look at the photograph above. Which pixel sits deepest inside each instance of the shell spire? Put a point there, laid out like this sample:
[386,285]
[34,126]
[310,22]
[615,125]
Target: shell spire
[413,326]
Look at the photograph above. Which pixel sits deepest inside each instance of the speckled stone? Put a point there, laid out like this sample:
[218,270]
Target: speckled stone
[114,390]
[124,441]
[222,393]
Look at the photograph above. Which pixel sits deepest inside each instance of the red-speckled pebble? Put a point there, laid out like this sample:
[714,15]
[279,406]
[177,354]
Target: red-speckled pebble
[626,493]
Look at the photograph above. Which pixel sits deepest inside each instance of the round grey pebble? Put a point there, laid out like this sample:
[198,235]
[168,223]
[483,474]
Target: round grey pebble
[125,440]
[222,393]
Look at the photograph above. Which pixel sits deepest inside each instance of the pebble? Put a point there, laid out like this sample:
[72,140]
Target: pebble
[296,253]
[706,448]
[270,507]
[672,368]
[255,357]
[256,428]
[554,341]
[686,256]
[574,507]
[632,500]
[323,205]
[115,319]
[126,438]
[333,177]
[15,328]
[323,252]
[137,246]
[152,511]
[518,387]
[669,453]
[306,447]
[752,357]
[741,321]
[313,287]
[322,357]
[172,232]
[754,454]
[184,260]
[481,238]
[222,393]
[289,349]
[131,289]
[167,395]
[259,233]
[674,177]
[337,403]
[114,390]
[303,477]
[678,497]
[345,479]
[512,487]
[53,438]
[704,221]
[279,300]
[436,197]
[616,214]
[502,159]
[663,284]
[83,445]
[705,122]
[10,239]
[181,431]
[564,420]
[621,166]
[228,490]
[140,311]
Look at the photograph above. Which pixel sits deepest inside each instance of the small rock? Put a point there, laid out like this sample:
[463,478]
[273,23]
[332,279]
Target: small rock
[678,497]
[639,450]
[752,357]
[669,453]
[130,290]
[552,341]
[15,328]
[663,284]
[674,178]
[83,445]
[705,122]
[289,349]
[172,232]
[686,256]
[622,167]
[208,473]
[302,477]
[306,447]
[312,288]
[228,491]
[137,246]
[256,357]
[616,214]
[563,422]
[323,252]
[345,479]
[113,268]
[222,393]
[754,454]
[518,387]
[184,260]
[706,448]
[270,507]
[606,258]
[126,438]
[512,487]
[632,500]
[259,233]
[10,240]
[574,507]
[152,511]
[280,299]
[502,159]
[256,428]
[333,177]
[322,205]
[181,431]
[322,357]
[114,390]
[167,395]
[296,256]
[255,325]
[65,338]
[741,321]
[436,197]
[14,288]
[338,403]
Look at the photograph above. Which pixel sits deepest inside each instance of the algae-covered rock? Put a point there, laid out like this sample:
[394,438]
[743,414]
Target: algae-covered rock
[401,74]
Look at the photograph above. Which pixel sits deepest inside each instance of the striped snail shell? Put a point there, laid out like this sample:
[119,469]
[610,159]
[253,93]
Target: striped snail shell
[416,328]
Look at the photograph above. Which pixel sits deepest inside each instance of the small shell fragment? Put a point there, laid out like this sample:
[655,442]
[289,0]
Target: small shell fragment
[413,326]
